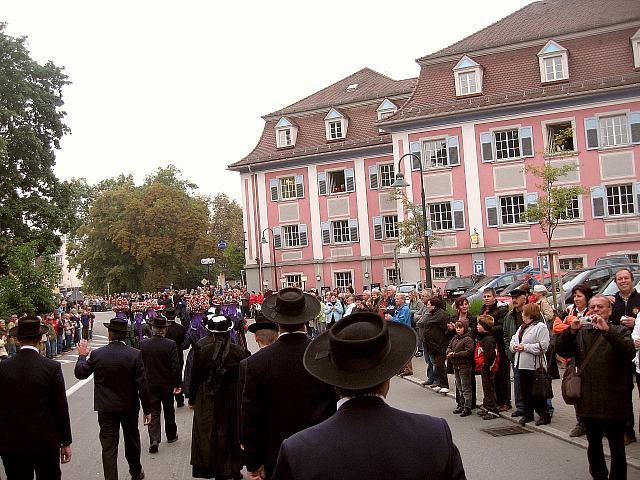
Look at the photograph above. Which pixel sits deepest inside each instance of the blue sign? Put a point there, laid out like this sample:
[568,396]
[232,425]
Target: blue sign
[478,267]
[222,244]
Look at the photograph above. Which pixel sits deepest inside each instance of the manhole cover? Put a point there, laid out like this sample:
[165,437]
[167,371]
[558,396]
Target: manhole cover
[504,431]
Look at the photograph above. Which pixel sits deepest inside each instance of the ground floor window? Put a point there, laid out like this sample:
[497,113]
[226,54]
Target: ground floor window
[343,280]
[293,280]
[517,265]
[443,272]
[391,275]
[571,263]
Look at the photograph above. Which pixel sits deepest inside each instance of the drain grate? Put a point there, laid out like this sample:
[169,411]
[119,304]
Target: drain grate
[504,431]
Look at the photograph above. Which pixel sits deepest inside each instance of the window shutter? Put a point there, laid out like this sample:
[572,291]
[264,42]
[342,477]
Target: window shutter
[491,204]
[277,238]
[531,201]
[299,186]
[326,233]
[458,214]
[452,149]
[637,187]
[377,228]
[487,147]
[275,183]
[302,232]
[322,183]
[597,202]
[353,229]
[591,132]
[526,142]
[349,178]
[416,149]
[634,123]
[373,177]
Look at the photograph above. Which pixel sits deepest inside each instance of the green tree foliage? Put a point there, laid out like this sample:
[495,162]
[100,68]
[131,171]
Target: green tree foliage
[411,230]
[226,224]
[32,201]
[28,285]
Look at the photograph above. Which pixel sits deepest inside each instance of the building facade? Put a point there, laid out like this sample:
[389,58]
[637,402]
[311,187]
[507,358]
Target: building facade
[536,87]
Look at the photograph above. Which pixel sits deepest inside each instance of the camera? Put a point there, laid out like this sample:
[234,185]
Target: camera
[586,322]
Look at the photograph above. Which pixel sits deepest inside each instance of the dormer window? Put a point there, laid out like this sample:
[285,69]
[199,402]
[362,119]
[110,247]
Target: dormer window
[335,125]
[554,62]
[286,133]
[468,77]
[386,109]
[635,45]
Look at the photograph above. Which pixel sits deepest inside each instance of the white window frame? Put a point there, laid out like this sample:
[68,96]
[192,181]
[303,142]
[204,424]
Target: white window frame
[432,225]
[294,276]
[340,272]
[282,186]
[391,279]
[426,160]
[282,126]
[470,67]
[573,257]
[635,46]
[545,135]
[503,263]
[633,200]
[445,267]
[625,252]
[559,52]
[627,132]
[330,185]
[494,141]
[334,116]
[392,167]
[580,210]
[384,227]
[345,228]
[499,201]
[286,237]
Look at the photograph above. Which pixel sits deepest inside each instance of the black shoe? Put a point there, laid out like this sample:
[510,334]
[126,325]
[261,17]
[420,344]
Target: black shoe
[525,419]
[174,439]
[139,476]
[543,421]
[458,410]
[153,448]
[578,431]
[466,412]
[517,413]
[629,439]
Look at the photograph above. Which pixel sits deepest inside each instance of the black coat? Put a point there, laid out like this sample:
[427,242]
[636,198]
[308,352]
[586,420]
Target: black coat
[367,438]
[279,398]
[606,380]
[436,337]
[36,414]
[176,332]
[120,382]
[160,357]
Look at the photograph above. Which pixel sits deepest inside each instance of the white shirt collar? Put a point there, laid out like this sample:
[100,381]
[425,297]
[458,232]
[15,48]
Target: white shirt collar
[30,347]
[288,333]
[344,400]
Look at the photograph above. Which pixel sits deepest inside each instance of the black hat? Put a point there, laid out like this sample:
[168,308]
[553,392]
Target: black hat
[118,325]
[516,292]
[218,324]
[262,323]
[28,327]
[290,306]
[170,313]
[160,321]
[360,351]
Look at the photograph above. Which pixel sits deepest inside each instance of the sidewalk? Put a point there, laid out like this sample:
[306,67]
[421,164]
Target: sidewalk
[563,420]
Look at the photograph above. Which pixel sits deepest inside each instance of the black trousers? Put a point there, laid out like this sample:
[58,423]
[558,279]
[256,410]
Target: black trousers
[110,423]
[441,369]
[22,466]
[503,380]
[614,430]
[530,402]
[162,400]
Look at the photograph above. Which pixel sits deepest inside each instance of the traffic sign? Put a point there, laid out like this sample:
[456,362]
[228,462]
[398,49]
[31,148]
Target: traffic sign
[222,244]
[207,261]
[204,282]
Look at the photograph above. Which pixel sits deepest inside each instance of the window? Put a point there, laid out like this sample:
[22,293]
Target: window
[284,137]
[343,280]
[58,259]
[468,77]
[517,265]
[390,224]
[439,273]
[291,236]
[340,231]
[391,275]
[507,144]
[633,257]
[635,45]
[571,263]
[293,280]
[335,125]
[335,130]
[387,175]
[613,130]
[286,133]
[336,181]
[620,199]
[554,62]
[512,209]
[441,216]
[288,187]
[559,137]
[386,109]
[385,114]
[573,210]
[435,153]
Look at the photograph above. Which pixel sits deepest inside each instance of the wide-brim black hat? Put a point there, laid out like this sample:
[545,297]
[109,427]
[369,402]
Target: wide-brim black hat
[118,325]
[290,306]
[28,327]
[159,322]
[170,313]
[360,351]
[218,324]
[262,323]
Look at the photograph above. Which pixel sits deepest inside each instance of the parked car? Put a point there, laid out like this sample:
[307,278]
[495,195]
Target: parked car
[610,288]
[613,260]
[498,282]
[456,286]
[407,287]
[595,277]
[505,295]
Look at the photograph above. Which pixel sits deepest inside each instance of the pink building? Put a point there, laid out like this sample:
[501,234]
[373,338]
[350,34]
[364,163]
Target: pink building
[537,86]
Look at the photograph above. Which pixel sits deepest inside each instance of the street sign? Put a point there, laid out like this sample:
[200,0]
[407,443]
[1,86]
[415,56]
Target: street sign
[207,261]
[204,282]
[222,244]
[478,267]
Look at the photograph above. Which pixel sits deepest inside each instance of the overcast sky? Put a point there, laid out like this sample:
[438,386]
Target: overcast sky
[158,82]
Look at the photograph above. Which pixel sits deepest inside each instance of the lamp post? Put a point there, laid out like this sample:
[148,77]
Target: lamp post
[273,249]
[401,182]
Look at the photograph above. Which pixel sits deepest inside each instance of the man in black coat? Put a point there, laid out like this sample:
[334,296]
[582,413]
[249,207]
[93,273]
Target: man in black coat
[160,357]
[275,381]
[120,385]
[176,332]
[35,437]
[367,438]
[498,310]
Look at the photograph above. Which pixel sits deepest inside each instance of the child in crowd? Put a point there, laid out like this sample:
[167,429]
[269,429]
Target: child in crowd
[459,352]
[486,362]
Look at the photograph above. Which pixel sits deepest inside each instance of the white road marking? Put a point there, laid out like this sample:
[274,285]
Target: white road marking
[78,386]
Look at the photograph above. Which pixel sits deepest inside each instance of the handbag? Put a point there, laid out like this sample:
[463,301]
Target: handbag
[542,387]
[572,381]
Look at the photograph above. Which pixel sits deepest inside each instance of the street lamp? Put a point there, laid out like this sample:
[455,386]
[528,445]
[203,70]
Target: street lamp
[401,182]
[273,247]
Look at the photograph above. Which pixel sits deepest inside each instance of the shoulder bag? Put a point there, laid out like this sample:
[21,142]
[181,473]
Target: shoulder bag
[572,381]
[542,387]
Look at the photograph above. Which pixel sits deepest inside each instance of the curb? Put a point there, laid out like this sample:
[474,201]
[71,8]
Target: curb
[553,432]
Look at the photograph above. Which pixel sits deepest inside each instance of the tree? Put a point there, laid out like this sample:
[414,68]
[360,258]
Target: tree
[31,126]
[171,177]
[226,224]
[555,204]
